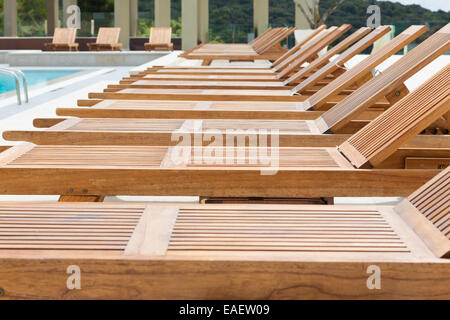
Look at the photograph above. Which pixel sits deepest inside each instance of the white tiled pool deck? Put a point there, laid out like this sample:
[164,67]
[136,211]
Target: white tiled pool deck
[43,105]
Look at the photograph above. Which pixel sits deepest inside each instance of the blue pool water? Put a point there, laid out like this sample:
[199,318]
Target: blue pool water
[8,83]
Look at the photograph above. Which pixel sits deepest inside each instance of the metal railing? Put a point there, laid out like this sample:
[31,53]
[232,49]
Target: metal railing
[16,74]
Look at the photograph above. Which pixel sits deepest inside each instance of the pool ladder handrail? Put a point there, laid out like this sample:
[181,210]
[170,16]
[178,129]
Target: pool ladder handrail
[15,73]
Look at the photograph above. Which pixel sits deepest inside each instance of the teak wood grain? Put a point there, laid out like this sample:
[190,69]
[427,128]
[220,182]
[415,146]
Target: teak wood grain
[185,251]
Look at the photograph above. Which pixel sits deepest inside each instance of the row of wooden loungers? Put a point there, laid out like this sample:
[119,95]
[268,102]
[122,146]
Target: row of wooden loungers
[276,251]
[115,131]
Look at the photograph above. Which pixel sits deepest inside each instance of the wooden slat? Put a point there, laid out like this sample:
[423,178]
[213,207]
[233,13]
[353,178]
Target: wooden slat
[310,51]
[361,69]
[69,227]
[46,122]
[337,63]
[388,81]
[164,138]
[183,251]
[260,48]
[426,163]
[238,230]
[298,45]
[271,43]
[407,118]
[152,234]
[159,36]
[64,35]
[427,211]
[138,170]
[108,35]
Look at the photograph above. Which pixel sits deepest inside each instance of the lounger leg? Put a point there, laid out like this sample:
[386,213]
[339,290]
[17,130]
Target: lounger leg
[66,198]
[206,62]
[4,148]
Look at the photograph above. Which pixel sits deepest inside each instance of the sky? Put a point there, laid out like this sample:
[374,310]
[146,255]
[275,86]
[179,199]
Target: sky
[428,4]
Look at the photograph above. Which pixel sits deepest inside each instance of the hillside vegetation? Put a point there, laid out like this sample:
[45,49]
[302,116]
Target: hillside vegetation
[232,20]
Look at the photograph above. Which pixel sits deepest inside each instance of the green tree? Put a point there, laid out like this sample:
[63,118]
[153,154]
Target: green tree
[31,16]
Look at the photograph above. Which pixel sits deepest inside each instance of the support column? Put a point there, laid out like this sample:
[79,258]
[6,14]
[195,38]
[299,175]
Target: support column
[260,15]
[52,16]
[162,13]
[10,18]
[66,4]
[300,20]
[189,23]
[133,18]
[122,20]
[203,20]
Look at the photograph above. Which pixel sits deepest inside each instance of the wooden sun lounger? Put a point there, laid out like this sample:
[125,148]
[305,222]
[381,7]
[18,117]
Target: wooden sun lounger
[297,47]
[223,47]
[266,48]
[275,66]
[320,61]
[107,40]
[389,85]
[372,162]
[188,251]
[160,39]
[357,74]
[262,36]
[306,53]
[238,50]
[289,52]
[63,40]
[326,69]
[292,133]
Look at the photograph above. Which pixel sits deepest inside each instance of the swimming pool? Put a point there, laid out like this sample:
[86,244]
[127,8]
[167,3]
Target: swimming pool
[34,77]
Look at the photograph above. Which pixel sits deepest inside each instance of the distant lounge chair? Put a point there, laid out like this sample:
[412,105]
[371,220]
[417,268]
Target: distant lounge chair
[264,47]
[160,39]
[107,40]
[63,40]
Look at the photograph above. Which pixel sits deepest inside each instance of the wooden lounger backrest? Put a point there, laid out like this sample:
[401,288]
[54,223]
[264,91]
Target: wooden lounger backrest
[108,36]
[266,36]
[299,52]
[312,50]
[276,39]
[371,145]
[388,82]
[160,35]
[64,35]
[262,35]
[263,41]
[299,45]
[364,67]
[339,61]
[427,211]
